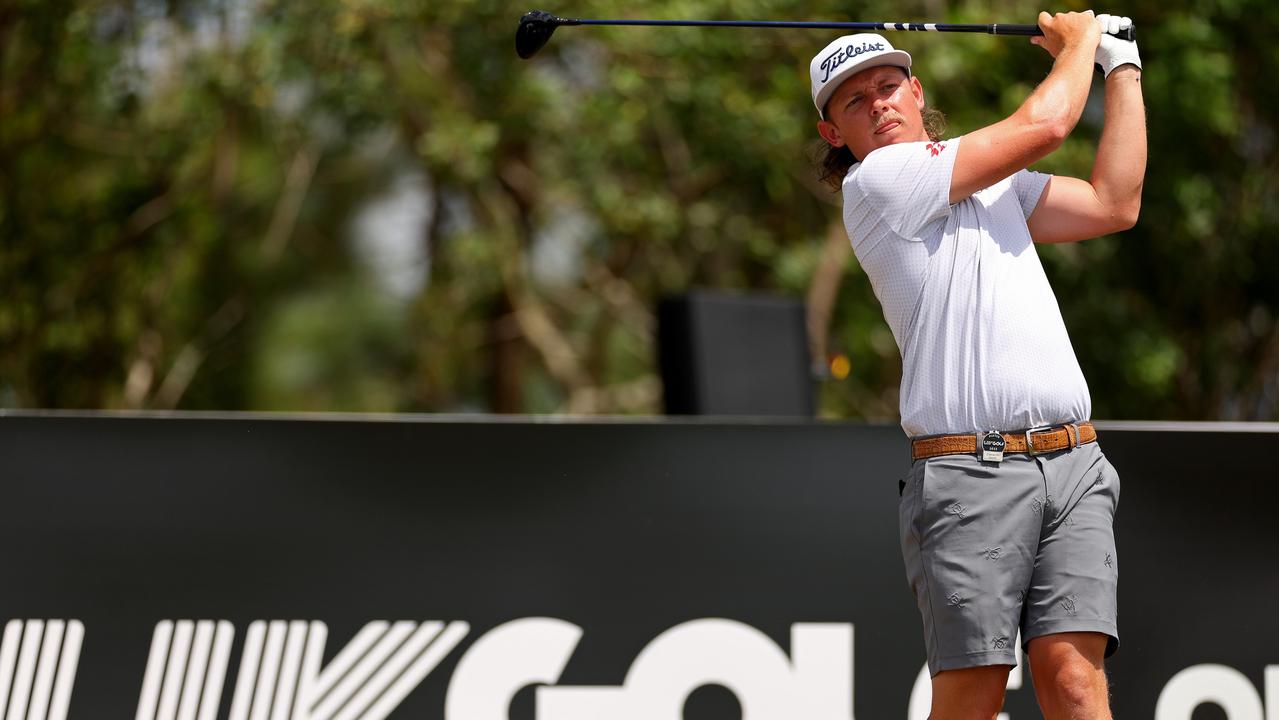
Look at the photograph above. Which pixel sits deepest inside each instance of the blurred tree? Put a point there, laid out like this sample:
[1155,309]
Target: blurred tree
[375,205]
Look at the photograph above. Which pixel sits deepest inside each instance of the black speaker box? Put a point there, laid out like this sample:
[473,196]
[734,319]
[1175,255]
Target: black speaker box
[726,354]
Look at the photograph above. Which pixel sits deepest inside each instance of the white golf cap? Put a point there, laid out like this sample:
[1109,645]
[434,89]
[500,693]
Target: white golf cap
[848,55]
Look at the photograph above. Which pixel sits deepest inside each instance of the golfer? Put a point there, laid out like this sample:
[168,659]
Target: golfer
[1006,513]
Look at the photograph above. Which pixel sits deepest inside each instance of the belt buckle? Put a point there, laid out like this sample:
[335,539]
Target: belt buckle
[1030,444]
[990,446]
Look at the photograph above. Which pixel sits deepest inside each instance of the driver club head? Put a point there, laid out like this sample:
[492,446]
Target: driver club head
[534,31]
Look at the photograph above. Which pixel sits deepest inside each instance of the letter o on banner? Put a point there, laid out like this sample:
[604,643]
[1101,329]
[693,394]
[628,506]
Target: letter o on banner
[1218,684]
[710,652]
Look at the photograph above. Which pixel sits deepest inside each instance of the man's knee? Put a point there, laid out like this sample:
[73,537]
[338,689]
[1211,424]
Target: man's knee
[1079,684]
[969,694]
[1070,678]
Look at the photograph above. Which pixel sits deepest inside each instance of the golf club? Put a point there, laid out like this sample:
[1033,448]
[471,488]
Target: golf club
[537,26]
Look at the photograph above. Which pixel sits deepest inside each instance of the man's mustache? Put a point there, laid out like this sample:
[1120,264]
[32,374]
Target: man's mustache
[889,118]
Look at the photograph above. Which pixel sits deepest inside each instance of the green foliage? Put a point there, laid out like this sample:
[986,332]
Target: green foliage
[181,187]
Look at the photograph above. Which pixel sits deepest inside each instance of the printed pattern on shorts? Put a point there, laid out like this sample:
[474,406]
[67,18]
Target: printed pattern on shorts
[991,549]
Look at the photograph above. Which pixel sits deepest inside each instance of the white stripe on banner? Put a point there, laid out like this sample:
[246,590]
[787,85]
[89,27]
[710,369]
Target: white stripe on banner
[930,27]
[194,682]
[179,653]
[248,670]
[311,659]
[385,675]
[289,670]
[66,670]
[21,691]
[43,687]
[269,671]
[320,685]
[154,673]
[420,668]
[363,670]
[8,658]
[222,638]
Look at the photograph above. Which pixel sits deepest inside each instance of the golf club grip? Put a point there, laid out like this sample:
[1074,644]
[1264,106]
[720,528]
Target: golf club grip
[1129,33]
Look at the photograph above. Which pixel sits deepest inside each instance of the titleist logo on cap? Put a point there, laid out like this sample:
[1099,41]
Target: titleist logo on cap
[839,57]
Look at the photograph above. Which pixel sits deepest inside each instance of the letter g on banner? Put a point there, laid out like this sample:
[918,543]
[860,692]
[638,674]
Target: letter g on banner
[506,659]
[816,684]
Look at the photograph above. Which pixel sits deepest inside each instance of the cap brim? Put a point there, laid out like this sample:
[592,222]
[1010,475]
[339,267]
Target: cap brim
[897,58]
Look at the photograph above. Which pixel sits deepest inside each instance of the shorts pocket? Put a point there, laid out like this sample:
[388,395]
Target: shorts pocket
[1114,480]
[910,479]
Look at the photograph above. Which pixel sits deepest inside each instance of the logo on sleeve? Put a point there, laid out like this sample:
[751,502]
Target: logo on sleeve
[936,147]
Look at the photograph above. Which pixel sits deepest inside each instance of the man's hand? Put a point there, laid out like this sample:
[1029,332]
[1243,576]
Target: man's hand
[1065,30]
[1043,121]
[1113,51]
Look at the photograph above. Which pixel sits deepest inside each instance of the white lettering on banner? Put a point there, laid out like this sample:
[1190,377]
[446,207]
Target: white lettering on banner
[503,661]
[200,652]
[816,684]
[1220,685]
[38,661]
[921,695]
[280,677]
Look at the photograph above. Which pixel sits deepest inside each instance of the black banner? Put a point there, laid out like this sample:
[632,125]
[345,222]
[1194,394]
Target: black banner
[254,568]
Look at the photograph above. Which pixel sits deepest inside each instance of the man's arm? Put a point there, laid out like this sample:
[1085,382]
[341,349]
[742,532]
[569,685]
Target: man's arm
[1070,209]
[1046,117]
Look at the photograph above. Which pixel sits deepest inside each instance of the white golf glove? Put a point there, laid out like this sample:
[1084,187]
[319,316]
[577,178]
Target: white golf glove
[1112,51]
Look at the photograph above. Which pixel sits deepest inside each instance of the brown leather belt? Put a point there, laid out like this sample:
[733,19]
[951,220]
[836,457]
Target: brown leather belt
[1036,441]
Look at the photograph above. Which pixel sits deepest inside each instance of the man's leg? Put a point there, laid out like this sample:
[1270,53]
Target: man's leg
[1070,680]
[969,694]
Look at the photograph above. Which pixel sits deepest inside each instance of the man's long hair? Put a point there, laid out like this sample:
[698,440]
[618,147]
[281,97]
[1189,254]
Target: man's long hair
[834,162]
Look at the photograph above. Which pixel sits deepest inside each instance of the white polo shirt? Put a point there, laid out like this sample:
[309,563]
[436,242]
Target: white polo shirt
[982,341]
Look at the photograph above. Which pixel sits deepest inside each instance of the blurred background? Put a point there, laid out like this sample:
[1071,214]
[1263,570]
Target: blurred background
[374,205]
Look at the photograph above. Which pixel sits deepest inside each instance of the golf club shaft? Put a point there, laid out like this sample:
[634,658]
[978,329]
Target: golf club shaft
[536,27]
[991,29]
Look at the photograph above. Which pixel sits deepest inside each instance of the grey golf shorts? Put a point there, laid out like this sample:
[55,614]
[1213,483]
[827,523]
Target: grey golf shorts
[1026,544]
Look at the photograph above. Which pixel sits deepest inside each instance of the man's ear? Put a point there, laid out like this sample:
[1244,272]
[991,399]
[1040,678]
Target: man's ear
[918,90]
[830,133]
